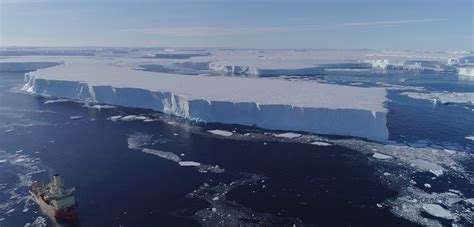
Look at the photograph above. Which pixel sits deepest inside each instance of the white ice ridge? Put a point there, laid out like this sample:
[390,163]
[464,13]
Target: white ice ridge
[267,103]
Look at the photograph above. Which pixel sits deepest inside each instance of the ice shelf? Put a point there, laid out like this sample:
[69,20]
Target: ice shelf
[267,103]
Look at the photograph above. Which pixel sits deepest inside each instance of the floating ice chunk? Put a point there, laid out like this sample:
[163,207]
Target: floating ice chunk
[387,174]
[162,154]
[466,71]
[189,163]
[469,138]
[443,97]
[115,118]
[320,143]
[9,130]
[436,172]
[220,132]
[471,201]
[289,135]
[427,185]
[98,106]
[438,211]
[56,101]
[76,117]
[449,151]
[3,160]
[381,156]
[133,118]
[138,140]
[379,205]
[455,191]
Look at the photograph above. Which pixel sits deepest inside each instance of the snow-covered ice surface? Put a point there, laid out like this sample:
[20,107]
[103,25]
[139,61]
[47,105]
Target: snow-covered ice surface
[267,103]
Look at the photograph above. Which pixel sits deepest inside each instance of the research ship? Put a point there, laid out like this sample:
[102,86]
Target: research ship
[54,200]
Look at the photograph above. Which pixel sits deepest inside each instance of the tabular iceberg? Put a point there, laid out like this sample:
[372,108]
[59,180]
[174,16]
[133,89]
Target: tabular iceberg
[267,103]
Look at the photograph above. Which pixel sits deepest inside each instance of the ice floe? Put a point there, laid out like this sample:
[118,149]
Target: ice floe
[138,141]
[438,211]
[289,135]
[220,132]
[321,143]
[76,117]
[443,97]
[471,138]
[98,106]
[189,163]
[466,71]
[131,118]
[56,101]
[381,156]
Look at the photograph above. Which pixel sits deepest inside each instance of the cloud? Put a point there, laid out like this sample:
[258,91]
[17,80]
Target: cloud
[201,31]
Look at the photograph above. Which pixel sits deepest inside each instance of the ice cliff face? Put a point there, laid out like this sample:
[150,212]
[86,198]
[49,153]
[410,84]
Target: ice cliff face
[273,104]
[253,71]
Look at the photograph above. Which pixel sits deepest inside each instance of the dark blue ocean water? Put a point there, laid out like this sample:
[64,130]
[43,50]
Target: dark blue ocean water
[297,183]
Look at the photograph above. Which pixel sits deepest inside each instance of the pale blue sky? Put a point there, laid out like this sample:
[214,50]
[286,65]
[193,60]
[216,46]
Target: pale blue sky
[340,24]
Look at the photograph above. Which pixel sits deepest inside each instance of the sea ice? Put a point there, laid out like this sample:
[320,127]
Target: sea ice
[137,141]
[189,163]
[76,117]
[381,156]
[289,135]
[320,143]
[466,71]
[220,132]
[443,97]
[438,211]
[469,138]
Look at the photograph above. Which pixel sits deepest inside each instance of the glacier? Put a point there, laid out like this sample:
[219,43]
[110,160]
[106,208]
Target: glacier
[267,103]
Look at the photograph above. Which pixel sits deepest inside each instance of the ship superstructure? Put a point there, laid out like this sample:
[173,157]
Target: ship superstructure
[56,201]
